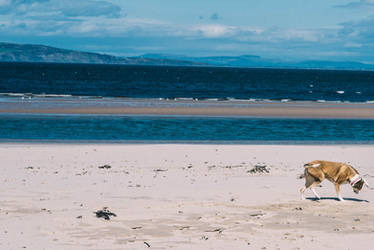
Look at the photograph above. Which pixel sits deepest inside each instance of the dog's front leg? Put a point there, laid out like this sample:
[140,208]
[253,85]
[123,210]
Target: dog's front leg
[337,188]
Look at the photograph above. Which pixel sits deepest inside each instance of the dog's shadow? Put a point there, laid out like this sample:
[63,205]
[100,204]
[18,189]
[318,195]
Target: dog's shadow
[336,199]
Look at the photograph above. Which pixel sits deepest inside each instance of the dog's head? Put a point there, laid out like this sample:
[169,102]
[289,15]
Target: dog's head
[358,186]
[357,182]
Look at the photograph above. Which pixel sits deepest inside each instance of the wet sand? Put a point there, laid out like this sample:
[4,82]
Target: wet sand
[178,197]
[192,108]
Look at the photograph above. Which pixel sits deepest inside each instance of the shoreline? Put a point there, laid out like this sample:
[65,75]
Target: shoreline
[191,108]
[181,143]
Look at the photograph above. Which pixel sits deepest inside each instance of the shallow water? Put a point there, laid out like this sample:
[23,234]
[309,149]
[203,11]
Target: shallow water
[118,128]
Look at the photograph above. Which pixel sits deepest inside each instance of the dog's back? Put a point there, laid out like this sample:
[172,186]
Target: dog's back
[336,172]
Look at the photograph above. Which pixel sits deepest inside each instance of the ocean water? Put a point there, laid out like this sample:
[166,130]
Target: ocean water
[88,84]
[103,128]
[186,82]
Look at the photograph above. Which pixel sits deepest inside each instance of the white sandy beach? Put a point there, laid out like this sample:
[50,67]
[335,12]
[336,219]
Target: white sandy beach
[178,197]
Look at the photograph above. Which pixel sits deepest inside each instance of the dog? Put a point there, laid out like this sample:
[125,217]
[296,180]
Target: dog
[336,172]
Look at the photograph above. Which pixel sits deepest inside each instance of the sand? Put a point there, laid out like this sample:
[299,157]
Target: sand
[127,106]
[178,197]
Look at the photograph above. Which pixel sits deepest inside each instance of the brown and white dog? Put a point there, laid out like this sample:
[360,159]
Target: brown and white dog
[336,172]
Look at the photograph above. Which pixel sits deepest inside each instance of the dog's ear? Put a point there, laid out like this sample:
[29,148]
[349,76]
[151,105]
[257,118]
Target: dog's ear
[366,183]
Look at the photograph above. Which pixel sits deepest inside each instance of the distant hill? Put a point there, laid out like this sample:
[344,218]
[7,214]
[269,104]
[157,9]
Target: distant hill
[258,62]
[10,52]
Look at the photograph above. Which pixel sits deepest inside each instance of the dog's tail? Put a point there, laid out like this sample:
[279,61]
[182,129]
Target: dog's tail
[312,164]
[301,176]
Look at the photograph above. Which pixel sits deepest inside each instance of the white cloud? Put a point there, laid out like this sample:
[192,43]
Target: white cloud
[305,35]
[4,2]
[352,45]
[215,30]
[65,8]
[358,4]
[359,31]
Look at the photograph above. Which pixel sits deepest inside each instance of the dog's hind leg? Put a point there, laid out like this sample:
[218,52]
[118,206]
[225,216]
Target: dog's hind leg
[302,190]
[310,182]
[337,188]
[314,191]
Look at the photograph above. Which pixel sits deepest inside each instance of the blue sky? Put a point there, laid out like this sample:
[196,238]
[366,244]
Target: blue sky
[282,29]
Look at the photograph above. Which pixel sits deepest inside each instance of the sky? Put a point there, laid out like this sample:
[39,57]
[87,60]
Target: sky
[337,30]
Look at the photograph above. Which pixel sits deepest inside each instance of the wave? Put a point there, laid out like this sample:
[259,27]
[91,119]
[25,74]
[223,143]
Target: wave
[52,96]
[46,96]
[33,95]
[185,99]
[13,94]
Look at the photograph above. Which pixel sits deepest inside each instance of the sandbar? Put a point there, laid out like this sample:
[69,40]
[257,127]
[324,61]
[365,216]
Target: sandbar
[192,108]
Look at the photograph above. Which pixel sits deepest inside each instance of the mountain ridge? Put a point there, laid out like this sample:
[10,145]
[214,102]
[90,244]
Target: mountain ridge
[259,62]
[12,52]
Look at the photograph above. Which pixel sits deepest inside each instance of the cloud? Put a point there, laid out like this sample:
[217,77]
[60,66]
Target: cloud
[90,26]
[352,45]
[66,8]
[55,17]
[4,2]
[88,8]
[17,7]
[299,34]
[215,30]
[359,32]
[359,4]
[97,22]
[256,34]
[215,16]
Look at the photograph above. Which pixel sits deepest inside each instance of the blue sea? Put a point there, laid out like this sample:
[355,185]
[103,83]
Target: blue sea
[62,82]
[186,82]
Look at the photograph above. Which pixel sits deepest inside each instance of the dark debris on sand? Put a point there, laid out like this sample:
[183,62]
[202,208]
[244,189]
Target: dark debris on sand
[104,213]
[105,166]
[160,170]
[259,169]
